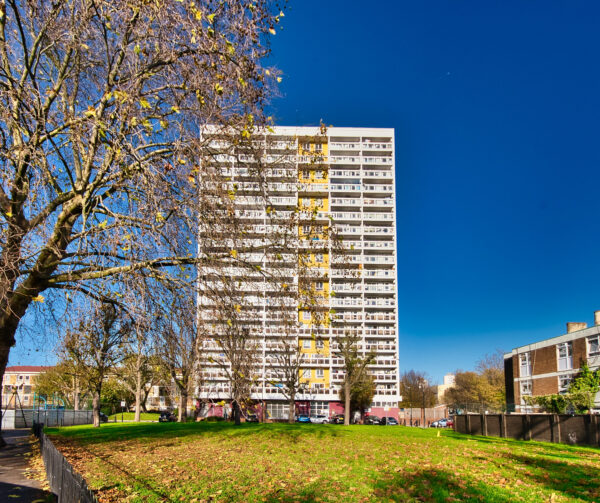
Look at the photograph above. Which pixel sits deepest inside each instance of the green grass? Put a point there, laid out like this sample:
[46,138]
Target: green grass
[130,416]
[279,462]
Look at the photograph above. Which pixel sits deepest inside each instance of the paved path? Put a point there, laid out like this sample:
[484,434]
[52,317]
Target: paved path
[14,486]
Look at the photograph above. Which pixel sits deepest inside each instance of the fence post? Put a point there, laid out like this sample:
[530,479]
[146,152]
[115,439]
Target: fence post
[595,428]
[468,423]
[503,425]
[526,427]
[484,425]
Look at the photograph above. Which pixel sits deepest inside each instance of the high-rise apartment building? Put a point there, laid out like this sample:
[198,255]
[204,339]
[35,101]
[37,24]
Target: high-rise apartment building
[336,177]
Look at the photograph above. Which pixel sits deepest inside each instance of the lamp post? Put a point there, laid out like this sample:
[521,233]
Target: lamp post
[422,387]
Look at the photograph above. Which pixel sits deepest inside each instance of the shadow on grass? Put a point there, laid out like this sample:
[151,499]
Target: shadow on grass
[436,485]
[154,431]
[425,485]
[575,481]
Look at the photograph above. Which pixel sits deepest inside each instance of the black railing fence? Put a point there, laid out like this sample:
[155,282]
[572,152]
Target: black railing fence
[65,482]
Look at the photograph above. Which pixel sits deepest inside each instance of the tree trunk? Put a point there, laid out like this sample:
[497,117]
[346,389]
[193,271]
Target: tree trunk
[96,407]
[183,400]
[292,410]
[138,395]
[75,393]
[236,413]
[347,410]
[4,351]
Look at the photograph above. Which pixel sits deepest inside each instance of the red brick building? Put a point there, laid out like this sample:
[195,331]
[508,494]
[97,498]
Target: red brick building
[549,366]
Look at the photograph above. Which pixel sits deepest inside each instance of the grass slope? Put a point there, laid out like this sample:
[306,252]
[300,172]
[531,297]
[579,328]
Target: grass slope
[130,416]
[279,462]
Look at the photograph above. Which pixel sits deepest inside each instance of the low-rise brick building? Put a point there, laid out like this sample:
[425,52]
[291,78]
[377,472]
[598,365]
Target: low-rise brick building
[18,385]
[548,367]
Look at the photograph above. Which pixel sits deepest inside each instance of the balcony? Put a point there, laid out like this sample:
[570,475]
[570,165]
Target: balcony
[378,288]
[346,215]
[378,188]
[378,216]
[376,146]
[344,173]
[378,202]
[377,160]
[344,201]
[344,146]
[388,175]
[379,231]
[348,187]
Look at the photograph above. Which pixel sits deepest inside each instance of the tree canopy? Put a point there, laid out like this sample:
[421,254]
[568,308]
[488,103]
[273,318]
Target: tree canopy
[102,109]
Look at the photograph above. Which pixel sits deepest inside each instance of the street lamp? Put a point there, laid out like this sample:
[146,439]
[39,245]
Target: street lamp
[422,387]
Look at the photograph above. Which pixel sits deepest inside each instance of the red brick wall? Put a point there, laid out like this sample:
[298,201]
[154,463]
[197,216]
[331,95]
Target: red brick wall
[545,386]
[579,352]
[543,360]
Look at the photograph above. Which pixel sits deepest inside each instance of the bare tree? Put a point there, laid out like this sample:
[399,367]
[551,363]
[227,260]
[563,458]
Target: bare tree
[102,104]
[97,348]
[179,341]
[64,380]
[355,367]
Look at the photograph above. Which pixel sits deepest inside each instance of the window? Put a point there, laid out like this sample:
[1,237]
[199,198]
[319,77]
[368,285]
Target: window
[306,317]
[319,257]
[306,343]
[306,229]
[563,384]
[319,408]
[319,344]
[305,373]
[319,285]
[594,346]
[318,147]
[565,356]
[305,146]
[320,373]
[526,388]
[525,361]
[278,410]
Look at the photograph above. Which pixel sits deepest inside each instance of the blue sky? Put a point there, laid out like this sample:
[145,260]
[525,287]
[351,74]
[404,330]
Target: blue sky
[496,108]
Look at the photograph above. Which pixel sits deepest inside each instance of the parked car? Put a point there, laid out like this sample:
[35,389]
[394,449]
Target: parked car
[303,419]
[319,419]
[103,417]
[166,417]
[449,423]
[441,423]
[372,419]
[252,418]
[390,421]
[338,419]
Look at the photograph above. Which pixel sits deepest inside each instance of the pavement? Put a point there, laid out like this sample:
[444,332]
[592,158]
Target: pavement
[14,485]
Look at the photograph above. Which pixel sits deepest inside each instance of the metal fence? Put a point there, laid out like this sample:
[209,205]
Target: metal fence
[24,418]
[65,482]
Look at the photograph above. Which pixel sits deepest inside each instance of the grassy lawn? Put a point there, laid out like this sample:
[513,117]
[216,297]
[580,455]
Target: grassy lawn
[130,416]
[198,462]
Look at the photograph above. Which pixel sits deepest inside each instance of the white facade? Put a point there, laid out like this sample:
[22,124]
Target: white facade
[352,187]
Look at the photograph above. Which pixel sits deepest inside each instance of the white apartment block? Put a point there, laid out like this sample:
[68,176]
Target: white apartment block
[351,187]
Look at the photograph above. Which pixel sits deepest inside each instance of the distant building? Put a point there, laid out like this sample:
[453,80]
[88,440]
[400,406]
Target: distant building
[449,381]
[549,366]
[18,385]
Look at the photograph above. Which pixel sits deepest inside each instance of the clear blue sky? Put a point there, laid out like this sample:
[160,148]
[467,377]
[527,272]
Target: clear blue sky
[496,107]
